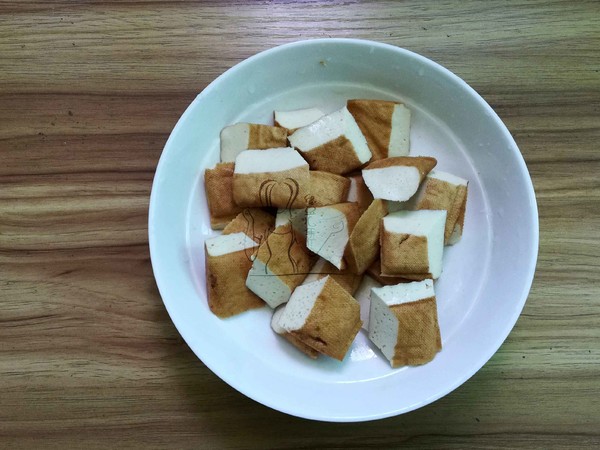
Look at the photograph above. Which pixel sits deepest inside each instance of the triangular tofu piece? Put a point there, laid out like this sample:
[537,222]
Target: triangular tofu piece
[403,323]
[334,143]
[328,230]
[363,246]
[442,190]
[397,178]
[324,316]
[385,125]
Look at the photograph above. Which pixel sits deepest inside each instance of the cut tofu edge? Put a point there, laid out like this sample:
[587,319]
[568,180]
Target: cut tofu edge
[447,177]
[327,234]
[404,293]
[328,128]
[267,285]
[354,135]
[400,134]
[300,305]
[427,223]
[297,118]
[234,139]
[229,243]
[275,320]
[363,297]
[396,183]
[383,327]
[270,160]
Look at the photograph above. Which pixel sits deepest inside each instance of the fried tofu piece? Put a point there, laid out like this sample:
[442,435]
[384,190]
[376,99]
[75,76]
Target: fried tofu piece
[328,230]
[306,349]
[324,316]
[363,246]
[385,125]
[403,323]
[273,178]
[228,260]
[412,244]
[397,178]
[218,185]
[442,190]
[334,143]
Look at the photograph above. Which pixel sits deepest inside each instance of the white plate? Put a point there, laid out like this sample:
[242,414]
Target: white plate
[487,275]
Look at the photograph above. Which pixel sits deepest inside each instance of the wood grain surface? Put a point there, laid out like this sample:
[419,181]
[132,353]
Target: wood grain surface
[89,91]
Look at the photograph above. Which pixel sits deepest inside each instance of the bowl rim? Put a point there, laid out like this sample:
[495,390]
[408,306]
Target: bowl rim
[524,173]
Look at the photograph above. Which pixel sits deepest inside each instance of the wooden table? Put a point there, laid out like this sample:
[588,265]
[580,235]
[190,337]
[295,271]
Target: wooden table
[89,92]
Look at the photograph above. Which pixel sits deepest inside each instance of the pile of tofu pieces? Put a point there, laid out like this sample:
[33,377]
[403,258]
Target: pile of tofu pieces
[317,207]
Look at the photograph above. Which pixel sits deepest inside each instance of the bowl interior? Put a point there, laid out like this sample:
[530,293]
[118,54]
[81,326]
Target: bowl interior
[486,276]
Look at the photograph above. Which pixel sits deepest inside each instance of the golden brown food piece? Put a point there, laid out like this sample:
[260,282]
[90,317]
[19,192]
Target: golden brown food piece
[363,247]
[218,185]
[385,125]
[226,282]
[327,188]
[324,316]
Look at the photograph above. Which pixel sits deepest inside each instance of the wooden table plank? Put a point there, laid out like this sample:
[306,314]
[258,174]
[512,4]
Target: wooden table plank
[89,92]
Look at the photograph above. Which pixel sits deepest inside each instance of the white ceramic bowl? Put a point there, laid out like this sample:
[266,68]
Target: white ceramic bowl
[487,275]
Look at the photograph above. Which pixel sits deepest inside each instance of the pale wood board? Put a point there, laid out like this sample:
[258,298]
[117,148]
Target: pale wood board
[89,92]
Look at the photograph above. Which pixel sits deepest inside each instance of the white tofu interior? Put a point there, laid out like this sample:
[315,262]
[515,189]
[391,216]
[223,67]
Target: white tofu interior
[267,285]
[327,233]
[229,243]
[275,320]
[353,191]
[397,183]
[271,160]
[383,327]
[404,292]
[234,139]
[424,222]
[363,297]
[383,324]
[298,118]
[328,128]
[300,305]
[447,177]
[400,133]
[296,216]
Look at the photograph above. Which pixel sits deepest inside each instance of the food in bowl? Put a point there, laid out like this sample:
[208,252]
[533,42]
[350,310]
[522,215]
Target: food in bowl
[312,213]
